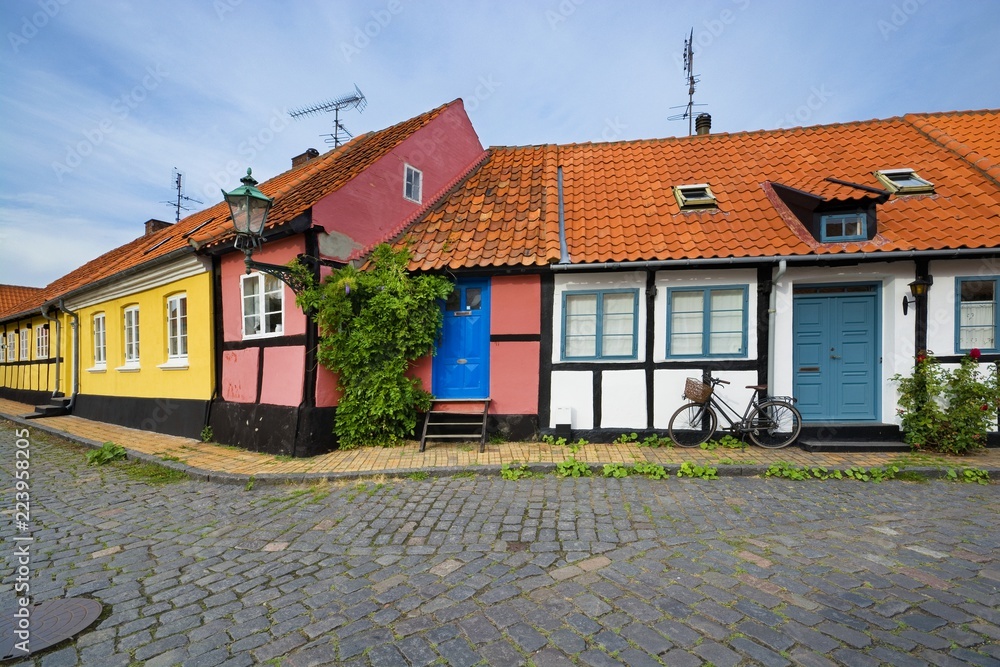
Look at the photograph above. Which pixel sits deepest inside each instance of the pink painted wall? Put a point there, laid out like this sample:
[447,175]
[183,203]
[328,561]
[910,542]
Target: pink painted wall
[371,207]
[327,394]
[284,372]
[239,375]
[516,305]
[514,376]
[273,252]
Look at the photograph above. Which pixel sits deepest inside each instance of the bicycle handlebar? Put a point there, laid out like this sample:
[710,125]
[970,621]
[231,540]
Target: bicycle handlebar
[718,381]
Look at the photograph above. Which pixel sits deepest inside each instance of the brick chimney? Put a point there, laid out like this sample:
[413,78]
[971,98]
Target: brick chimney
[300,160]
[153,225]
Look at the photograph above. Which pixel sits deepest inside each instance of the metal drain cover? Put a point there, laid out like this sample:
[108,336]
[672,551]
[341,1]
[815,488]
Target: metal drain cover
[52,621]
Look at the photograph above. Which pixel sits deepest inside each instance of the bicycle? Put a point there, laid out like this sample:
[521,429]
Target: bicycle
[773,422]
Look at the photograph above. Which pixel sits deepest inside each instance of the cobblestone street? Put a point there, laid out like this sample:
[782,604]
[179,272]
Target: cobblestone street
[472,569]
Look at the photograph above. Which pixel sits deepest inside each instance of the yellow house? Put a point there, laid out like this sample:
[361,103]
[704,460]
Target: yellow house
[127,338]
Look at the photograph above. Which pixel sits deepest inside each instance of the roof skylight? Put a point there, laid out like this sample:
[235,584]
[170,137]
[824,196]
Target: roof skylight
[694,196]
[904,181]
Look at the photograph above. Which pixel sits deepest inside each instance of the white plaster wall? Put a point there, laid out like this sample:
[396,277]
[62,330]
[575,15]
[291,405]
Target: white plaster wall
[569,282]
[623,399]
[941,299]
[573,389]
[897,331]
[704,278]
[668,385]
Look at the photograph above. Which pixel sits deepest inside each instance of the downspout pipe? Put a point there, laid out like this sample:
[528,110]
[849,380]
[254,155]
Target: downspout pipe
[75,326]
[772,313]
[58,337]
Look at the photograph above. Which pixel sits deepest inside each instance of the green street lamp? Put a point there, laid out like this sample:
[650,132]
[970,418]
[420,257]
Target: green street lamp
[249,208]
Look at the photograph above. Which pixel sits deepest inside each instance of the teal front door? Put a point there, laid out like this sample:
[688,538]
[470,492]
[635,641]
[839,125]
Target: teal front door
[836,352]
[461,367]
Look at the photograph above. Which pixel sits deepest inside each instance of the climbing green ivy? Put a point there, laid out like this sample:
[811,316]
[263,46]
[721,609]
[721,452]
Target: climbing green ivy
[373,325]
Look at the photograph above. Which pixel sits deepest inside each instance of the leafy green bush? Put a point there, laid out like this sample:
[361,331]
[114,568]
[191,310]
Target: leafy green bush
[615,470]
[372,325]
[106,453]
[207,434]
[656,441]
[513,474]
[651,470]
[968,475]
[688,469]
[948,411]
[626,438]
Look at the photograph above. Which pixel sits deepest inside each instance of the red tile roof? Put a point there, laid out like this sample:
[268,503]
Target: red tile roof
[619,202]
[295,191]
[12,295]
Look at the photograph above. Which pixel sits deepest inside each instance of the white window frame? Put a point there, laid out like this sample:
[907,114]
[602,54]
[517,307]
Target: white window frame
[177,331]
[259,298]
[25,341]
[11,346]
[41,341]
[130,338]
[413,179]
[99,322]
[983,315]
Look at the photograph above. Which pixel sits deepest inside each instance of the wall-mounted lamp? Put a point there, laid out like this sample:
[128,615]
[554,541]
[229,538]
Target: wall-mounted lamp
[918,288]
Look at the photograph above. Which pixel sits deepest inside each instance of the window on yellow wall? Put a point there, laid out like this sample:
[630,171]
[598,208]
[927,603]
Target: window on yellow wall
[131,317]
[25,342]
[42,341]
[100,341]
[11,346]
[177,341]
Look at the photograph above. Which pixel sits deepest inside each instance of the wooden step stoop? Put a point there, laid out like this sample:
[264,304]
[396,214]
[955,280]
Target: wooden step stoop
[456,420]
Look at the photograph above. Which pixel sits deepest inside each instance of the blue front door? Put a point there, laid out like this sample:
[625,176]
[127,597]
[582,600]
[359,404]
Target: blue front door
[462,365]
[836,351]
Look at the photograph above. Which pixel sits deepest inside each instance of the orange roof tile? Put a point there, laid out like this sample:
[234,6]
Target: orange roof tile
[619,203]
[12,296]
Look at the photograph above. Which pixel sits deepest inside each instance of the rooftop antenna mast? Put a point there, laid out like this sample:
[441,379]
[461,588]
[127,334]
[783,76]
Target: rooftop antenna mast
[355,100]
[692,80]
[181,197]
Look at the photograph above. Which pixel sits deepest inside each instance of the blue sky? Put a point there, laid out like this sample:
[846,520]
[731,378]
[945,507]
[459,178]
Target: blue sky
[101,100]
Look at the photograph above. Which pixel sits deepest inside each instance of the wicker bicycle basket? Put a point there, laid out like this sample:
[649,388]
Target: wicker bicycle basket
[696,390]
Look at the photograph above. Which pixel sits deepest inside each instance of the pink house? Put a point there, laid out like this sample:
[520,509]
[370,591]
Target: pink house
[272,395]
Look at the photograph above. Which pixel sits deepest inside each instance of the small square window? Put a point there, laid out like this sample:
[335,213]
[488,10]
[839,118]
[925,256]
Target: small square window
[844,227]
[694,196]
[412,180]
[977,316]
[904,181]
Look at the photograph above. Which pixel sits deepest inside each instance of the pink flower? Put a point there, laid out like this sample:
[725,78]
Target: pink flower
[921,358]
[974,354]
[985,407]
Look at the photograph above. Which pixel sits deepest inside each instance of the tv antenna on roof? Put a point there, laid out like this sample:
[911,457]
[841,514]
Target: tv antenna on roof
[181,197]
[355,100]
[692,80]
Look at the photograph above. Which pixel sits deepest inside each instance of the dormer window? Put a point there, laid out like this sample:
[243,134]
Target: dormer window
[696,196]
[843,227]
[412,179]
[904,181]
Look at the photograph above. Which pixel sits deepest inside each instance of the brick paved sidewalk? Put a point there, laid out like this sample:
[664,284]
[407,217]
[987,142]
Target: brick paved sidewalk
[224,463]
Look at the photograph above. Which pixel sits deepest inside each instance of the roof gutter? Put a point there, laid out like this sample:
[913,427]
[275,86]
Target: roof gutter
[774,259]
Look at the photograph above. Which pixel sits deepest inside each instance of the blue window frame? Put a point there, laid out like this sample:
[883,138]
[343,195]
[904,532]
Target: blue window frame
[707,321]
[844,227]
[977,314]
[600,324]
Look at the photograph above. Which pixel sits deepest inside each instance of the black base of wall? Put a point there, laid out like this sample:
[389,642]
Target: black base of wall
[29,396]
[513,427]
[274,429]
[174,416]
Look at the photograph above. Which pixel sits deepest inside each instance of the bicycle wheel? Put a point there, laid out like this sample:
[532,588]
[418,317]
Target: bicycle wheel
[692,424]
[774,424]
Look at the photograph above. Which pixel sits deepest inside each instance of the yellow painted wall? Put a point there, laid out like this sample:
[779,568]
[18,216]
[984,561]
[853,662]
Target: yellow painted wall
[150,381]
[37,375]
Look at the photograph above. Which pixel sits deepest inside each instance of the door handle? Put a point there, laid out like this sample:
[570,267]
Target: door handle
[833,356]
[461,361]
